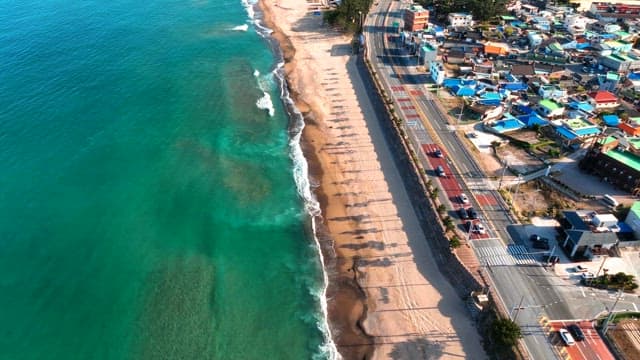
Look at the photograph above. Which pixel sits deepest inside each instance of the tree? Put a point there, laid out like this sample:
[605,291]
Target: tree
[504,333]
[449,224]
[348,14]
[441,209]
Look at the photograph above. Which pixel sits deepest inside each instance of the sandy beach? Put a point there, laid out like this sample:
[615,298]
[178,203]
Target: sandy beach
[387,299]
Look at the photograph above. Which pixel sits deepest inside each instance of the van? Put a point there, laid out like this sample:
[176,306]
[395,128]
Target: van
[610,200]
[566,337]
[440,170]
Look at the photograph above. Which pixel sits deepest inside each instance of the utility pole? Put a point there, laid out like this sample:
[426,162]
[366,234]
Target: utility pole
[605,326]
[551,255]
[504,169]
[604,258]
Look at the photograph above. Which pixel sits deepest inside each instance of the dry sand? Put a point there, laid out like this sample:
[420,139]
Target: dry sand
[387,299]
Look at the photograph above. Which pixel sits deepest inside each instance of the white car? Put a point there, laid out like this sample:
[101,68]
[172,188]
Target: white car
[463,198]
[566,337]
[479,228]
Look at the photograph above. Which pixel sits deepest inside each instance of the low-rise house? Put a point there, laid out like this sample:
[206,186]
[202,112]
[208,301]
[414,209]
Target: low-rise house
[576,24]
[575,129]
[631,126]
[588,234]
[603,100]
[633,81]
[619,46]
[428,53]
[460,20]
[506,125]
[552,92]
[535,38]
[496,49]
[522,70]
[616,160]
[550,109]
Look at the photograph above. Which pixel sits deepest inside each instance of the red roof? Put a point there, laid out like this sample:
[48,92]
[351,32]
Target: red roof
[603,97]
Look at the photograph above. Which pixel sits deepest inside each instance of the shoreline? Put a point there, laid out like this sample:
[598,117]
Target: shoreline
[346,300]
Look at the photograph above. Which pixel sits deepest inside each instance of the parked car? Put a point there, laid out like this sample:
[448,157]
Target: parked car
[438,153]
[541,244]
[586,277]
[440,170]
[479,228]
[580,268]
[463,213]
[576,332]
[534,237]
[463,198]
[472,213]
[566,337]
[472,134]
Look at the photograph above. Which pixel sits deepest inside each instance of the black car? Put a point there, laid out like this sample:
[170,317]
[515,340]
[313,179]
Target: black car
[541,245]
[472,213]
[438,153]
[534,237]
[575,330]
[463,213]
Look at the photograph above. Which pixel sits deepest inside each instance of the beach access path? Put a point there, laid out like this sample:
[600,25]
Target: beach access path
[382,265]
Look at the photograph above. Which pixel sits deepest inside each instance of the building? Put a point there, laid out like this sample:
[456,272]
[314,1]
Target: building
[576,24]
[587,234]
[415,18]
[428,53]
[614,10]
[554,92]
[550,109]
[496,49]
[437,72]
[534,38]
[615,160]
[601,100]
[631,126]
[633,219]
[620,62]
[460,20]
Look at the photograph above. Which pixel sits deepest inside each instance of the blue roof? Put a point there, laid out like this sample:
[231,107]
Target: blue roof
[582,105]
[634,76]
[463,90]
[450,82]
[566,133]
[490,102]
[516,86]
[508,124]
[611,120]
[491,96]
[624,228]
[533,119]
[587,131]
[524,109]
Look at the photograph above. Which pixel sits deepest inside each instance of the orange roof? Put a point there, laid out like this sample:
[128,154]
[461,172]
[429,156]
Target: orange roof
[603,97]
[492,49]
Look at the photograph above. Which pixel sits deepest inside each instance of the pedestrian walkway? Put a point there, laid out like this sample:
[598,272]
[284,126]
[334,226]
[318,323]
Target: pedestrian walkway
[500,256]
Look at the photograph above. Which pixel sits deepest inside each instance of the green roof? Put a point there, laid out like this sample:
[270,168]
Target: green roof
[551,105]
[507,17]
[626,158]
[635,120]
[613,76]
[635,141]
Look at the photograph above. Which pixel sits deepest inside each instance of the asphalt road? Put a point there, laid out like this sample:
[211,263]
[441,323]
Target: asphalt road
[517,275]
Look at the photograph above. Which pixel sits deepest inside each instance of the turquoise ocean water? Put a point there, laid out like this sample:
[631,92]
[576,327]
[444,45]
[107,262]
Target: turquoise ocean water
[148,198]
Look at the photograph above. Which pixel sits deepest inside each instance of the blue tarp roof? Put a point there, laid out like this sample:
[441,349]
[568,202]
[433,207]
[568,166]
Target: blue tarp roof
[583,105]
[451,82]
[524,109]
[566,133]
[515,86]
[491,96]
[587,131]
[611,120]
[607,36]
[463,90]
[508,124]
[634,76]
[533,119]
[490,102]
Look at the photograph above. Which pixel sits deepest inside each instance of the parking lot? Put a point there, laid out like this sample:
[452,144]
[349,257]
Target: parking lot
[592,347]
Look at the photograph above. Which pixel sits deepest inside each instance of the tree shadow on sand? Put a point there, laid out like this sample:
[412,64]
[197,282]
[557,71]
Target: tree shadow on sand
[417,349]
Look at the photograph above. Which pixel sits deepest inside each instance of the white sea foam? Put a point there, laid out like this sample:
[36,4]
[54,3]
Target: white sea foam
[304,185]
[265,103]
[248,6]
[244,27]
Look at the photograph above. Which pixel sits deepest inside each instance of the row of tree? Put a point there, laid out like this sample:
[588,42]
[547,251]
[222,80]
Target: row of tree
[349,15]
[481,9]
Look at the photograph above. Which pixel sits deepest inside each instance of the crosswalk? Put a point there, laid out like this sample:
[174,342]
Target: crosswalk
[483,184]
[511,255]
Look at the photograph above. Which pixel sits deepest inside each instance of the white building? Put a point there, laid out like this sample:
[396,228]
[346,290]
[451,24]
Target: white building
[437,72]
[576,24]
[460,19]
[535,39]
